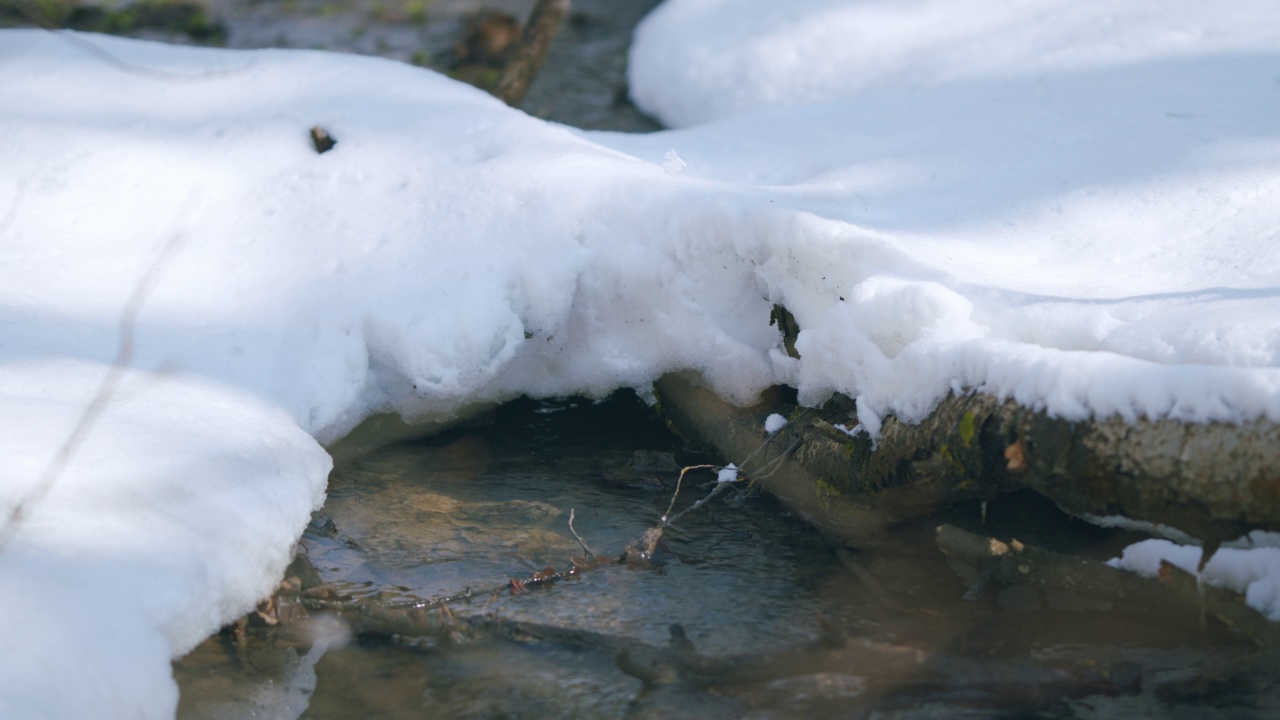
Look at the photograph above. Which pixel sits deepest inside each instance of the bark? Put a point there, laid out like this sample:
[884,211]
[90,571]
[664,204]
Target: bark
[736,433]
[531,51]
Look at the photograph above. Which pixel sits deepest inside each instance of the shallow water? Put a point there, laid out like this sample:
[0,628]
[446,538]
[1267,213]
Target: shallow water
[475,507]
[434,520]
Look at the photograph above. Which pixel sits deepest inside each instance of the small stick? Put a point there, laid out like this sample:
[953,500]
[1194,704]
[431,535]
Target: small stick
[679,482]
[720,487]
[576,536]
[771,467]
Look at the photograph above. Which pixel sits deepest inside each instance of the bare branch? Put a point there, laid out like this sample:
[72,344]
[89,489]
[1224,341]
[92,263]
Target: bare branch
[679,482]
[531,51]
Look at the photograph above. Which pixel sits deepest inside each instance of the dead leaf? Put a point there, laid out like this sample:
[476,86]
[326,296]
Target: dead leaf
[1016,455]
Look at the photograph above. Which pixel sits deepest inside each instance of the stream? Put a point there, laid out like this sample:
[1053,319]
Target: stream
[414,518]
[474,507]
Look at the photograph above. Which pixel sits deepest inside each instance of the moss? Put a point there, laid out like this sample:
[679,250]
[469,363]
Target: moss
[826,488]
[176,16]
[949,459]
[825,493]
[967,430]
[960,479]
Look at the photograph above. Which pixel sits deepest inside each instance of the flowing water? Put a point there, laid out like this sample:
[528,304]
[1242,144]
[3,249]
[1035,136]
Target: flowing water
[475,507]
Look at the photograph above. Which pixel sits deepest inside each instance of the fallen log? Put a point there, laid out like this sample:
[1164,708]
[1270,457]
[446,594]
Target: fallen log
[1213,481]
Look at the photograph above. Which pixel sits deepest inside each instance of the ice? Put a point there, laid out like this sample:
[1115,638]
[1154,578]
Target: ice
[672,163]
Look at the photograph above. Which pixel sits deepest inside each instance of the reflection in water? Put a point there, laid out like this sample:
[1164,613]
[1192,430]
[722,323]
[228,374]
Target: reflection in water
[476,507]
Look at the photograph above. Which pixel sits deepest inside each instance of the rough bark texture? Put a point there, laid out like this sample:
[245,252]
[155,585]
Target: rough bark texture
[1214,481]
[736,433]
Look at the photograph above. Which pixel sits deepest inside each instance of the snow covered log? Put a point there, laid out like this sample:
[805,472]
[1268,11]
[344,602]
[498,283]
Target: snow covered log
[1213,481]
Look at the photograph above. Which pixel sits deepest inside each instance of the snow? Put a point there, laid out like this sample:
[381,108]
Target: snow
[180,507]
[1071,204]
[1255,572]
[672,163]
[1117,255]
[774,423]
[698,60]
[850,431]
[727,474]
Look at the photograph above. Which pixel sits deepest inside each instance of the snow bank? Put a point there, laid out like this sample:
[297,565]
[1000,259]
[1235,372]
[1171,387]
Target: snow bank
[1083,220]
[1070,204]
[698,60]
[1073,204]
[179,509]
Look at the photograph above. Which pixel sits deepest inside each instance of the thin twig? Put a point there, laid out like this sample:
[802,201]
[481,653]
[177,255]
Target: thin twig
[719,488]
[768,440]
[578,537]
[768,469]
[679,482]
[757,451]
